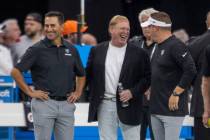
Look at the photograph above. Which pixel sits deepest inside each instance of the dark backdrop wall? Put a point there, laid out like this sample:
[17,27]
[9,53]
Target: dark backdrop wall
[98,13]
[19,9]
[187,14]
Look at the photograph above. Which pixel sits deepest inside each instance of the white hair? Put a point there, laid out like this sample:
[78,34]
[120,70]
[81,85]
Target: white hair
[182,35]
[146,12]
[9,22]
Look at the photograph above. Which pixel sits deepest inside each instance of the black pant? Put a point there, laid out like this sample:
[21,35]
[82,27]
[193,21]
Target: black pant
[146,121]
[200,132]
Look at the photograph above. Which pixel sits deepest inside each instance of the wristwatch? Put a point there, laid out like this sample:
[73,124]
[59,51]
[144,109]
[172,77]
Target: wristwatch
[175,94]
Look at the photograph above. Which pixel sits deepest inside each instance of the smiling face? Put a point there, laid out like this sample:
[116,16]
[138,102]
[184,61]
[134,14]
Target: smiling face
[52,28]
[120,33]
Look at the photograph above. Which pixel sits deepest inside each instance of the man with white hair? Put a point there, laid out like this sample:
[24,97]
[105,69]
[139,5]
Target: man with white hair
[182,35]
[11,35]
[6,63]
[173,70]
[149,46]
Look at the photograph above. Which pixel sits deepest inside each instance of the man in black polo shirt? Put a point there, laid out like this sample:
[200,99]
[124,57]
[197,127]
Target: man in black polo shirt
[172,72]
[53,63]
[206,87]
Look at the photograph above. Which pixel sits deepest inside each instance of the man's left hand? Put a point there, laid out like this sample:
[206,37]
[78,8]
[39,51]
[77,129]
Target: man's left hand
[74,96]
[173,103]
[125,95]
[206,116]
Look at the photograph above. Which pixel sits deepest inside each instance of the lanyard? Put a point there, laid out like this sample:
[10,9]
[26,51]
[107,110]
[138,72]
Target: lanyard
[153,50]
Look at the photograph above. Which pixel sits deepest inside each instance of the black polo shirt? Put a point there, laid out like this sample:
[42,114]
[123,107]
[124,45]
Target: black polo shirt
[206,65]
[172,66]
[53,68]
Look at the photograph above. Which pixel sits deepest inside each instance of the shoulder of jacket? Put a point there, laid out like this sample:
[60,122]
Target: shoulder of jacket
[105,43]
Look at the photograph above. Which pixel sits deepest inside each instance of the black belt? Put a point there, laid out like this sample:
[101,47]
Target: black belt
[58,98]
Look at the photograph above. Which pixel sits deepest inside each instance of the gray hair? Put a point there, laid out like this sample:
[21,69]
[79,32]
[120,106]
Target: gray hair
[146,12]
[182,35]
[9,22]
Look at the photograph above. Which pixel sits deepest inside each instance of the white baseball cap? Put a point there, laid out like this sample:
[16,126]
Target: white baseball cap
[152,21]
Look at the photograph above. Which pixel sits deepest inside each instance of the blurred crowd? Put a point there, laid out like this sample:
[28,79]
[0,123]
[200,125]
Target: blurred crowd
[14,42]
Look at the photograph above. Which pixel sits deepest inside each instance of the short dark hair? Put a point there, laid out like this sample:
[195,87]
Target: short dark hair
[162,16]
[57,14]
[34,16]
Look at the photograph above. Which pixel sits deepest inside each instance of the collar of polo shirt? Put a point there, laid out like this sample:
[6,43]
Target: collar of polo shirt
[49,43]
[152,21]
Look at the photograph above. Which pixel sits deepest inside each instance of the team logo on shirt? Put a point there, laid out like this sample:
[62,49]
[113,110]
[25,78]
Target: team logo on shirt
[162,52]
[67,52]
[184,54]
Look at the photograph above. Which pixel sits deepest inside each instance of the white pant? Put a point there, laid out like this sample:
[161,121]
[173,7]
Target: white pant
[166,127]
[51,115]
[108,122]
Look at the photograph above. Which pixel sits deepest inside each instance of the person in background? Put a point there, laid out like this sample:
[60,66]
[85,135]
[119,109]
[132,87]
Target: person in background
[182,35]
[206,91]
[11,37]
[6,63]
[33,33]
[88,39]
[70,31]
[197,49]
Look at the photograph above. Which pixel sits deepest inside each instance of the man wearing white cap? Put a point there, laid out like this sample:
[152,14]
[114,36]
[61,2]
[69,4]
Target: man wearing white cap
[149,46]
[6,63]
[173,70]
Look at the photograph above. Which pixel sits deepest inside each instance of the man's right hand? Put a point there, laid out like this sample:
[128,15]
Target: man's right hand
[39,94]
[206,116]
[147,94]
